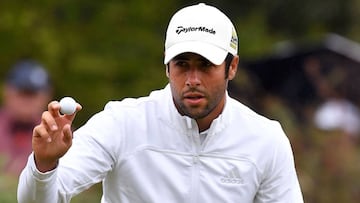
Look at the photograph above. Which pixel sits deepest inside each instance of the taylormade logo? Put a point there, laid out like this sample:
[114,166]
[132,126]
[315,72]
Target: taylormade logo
[181,29]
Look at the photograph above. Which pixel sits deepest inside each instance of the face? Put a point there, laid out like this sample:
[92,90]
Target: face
[25,106]
[198,86]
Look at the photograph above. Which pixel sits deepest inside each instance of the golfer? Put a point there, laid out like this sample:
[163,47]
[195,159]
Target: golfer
[189,142]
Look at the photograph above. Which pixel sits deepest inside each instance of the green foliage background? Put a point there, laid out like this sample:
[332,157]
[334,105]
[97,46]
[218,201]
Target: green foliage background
[102,50]
[98,51]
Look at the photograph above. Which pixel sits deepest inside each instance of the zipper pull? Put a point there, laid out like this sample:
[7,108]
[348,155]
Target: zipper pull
[195,159]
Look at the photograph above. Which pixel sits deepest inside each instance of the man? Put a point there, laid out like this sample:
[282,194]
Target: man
[189,142]
[26,92]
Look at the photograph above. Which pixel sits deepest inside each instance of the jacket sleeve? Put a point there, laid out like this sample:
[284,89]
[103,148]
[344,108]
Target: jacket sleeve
[35,186]
[280,183]
[87,162]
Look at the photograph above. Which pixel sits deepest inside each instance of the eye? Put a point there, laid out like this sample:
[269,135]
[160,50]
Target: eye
[181,63]
[206,63]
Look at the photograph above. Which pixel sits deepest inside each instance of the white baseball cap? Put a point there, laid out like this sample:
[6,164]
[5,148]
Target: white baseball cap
[203,30]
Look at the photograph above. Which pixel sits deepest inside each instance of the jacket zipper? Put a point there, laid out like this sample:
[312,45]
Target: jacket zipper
[195,175]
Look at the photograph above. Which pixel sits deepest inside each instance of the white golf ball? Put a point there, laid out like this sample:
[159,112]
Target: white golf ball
[67,105]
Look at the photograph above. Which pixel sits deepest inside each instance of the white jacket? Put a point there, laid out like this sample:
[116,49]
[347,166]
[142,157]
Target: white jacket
[145,151]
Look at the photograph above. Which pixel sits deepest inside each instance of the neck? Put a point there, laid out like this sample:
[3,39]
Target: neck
[205,123]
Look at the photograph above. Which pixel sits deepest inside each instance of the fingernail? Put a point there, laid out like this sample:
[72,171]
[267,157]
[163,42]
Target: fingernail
[54,127]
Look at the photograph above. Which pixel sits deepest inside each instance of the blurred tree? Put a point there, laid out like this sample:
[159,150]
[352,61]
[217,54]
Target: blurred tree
[96,51]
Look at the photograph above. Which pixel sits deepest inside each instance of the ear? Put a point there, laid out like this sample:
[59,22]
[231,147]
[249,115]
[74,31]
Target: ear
[233,67]
[167,70]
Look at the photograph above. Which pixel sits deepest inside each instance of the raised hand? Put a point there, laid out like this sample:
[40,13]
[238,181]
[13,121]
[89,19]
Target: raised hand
[52,138]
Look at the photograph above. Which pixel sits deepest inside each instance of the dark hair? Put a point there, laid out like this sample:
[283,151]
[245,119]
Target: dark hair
[228,60]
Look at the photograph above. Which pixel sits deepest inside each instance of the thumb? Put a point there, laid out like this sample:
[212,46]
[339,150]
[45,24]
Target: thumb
[72,116]
[67,139]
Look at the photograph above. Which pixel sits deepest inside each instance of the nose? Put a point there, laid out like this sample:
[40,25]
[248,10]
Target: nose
[192,77]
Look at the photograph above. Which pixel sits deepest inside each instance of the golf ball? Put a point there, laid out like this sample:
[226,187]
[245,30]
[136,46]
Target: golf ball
[67,105]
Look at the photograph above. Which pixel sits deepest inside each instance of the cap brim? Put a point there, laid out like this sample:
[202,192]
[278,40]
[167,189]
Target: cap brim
[211,52]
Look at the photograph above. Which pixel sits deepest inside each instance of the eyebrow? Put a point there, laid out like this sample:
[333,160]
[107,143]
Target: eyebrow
[182,56]
[185,56]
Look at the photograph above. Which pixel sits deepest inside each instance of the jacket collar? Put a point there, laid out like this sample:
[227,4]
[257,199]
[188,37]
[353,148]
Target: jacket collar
[172,117]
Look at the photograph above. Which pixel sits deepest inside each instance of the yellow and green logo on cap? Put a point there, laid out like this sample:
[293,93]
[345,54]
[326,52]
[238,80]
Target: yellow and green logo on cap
[234,40]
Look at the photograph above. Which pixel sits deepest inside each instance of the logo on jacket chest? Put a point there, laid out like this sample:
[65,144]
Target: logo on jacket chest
[232,177]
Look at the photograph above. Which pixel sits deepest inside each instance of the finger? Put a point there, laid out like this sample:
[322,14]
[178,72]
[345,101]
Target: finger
[72,116]
[67,139]
[49,121]
[78,107]
[54,109]
[40,132]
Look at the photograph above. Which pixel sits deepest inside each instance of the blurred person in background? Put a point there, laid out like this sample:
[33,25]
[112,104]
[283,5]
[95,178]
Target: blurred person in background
[26,90]
[335,112]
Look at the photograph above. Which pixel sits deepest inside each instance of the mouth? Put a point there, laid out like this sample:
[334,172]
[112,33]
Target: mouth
[194,98]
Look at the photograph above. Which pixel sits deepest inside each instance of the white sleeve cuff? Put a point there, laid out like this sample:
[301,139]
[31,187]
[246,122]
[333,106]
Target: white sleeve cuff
[40,176]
